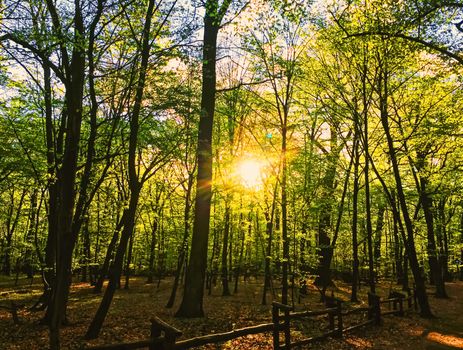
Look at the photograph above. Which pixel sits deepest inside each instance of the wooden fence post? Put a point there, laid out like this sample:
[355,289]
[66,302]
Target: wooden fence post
[171,334]
[377,309]
[409,300]
[276,327]
[170,339]
[330,303]
[287,330]
[155,332]
[339,314]
[401,307]
[370,306]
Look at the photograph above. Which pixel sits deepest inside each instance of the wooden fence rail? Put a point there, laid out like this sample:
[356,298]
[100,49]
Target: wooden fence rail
[221,337]
[164,337]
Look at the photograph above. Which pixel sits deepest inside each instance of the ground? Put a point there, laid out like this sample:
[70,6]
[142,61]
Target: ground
[128,319]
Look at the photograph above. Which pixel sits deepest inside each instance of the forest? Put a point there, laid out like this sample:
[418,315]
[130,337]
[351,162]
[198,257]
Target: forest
[212,156]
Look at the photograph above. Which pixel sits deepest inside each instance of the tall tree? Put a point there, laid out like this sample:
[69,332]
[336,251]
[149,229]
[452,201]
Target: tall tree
[192,302]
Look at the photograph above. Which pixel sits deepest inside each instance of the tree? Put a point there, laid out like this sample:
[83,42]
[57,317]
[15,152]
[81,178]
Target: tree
[138,171]
[192,302]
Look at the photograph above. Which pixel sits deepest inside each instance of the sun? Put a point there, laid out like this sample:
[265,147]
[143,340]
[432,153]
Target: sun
[249,173]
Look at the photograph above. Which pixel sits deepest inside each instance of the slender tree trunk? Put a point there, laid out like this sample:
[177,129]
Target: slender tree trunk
[109,254]
[268,257]
[398,251]
[48,270]
[410,244]
[11,224]
[433,258]
[31,232]
[326,208]
[154,229]
[128,261]
[443,237]
[284,216]
[116,270]
[86,257]
[355,259]
[371,271]
[134,183]
[226,231]
[378,234]
[240,259]
[184,247]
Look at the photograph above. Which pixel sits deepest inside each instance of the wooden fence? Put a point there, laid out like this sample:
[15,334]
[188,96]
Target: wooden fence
[164,337]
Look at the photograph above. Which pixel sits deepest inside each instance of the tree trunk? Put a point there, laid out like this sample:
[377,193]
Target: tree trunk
[268,257]
[154,229]
[355,259]
[128,261]
[240,258]
[398,251]
[109,254]
[378,234]
[134,183]
[323,278]
[226,231]
[31,233]
[433,258]
[116,270]
[409,241]
[192,302]
[284,216]
[184,247]
[11,224]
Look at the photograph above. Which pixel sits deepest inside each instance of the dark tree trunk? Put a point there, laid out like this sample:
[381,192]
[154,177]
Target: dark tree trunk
[240,259]
[325,252]
[443,237]
[192,302]
[355,258]
[226,231]
[378,234]
[128,261]
[116,269]
[48,272]
[366,170]
[184,247]
[398,252]
[154,229]
[433,258]
[11,224]
[109,254]
[86,257]
[268,256]
[31,233]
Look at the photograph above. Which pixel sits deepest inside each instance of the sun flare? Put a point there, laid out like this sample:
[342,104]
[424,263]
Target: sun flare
[249,172]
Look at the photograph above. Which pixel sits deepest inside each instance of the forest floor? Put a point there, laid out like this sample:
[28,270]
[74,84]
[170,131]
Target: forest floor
[128,318]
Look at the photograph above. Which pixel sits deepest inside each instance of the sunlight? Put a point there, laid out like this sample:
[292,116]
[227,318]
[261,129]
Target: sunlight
[446,339]
[249,173]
